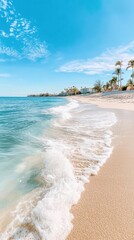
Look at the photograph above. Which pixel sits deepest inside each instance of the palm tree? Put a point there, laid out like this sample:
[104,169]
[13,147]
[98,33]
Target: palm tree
[119,72]
[72,90]
[111,84]
[107,85]
[131,65]
[75,90]
[130,82]
[98,86]
[119,63]
[114,82]
[132,76]
[104,87]
[67,91]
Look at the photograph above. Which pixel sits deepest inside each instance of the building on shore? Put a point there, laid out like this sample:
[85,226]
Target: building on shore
[86,90]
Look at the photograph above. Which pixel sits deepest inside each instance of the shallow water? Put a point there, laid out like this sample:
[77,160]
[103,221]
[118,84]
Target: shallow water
[50,148]
[22,121]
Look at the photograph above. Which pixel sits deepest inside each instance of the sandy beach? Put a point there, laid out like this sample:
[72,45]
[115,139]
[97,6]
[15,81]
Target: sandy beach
[124,101]
[106,208]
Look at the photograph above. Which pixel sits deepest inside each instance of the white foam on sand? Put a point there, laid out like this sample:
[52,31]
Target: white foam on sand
[75,149]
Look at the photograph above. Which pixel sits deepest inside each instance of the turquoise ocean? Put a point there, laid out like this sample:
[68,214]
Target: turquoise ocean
[22,123]
[49,147]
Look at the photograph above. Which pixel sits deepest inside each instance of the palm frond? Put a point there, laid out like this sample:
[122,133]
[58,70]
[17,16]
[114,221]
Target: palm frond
[119,63]
[128,67]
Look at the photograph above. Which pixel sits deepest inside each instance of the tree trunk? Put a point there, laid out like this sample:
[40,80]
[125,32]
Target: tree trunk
[132,75]
[120,77]
[118,82]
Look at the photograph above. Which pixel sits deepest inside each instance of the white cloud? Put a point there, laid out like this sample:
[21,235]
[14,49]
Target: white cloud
[4,4]
[21,32]
[36,51]
[3,34]
[8,51]
[4,75]
[103,63]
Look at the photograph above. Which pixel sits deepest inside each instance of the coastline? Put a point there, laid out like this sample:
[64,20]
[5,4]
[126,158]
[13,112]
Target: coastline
[105,210]
[79,143]
[124,101]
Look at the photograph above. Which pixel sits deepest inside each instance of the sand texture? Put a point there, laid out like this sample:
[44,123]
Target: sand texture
[114,101]
[106,208]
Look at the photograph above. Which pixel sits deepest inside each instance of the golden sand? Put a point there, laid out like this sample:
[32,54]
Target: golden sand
[106,208]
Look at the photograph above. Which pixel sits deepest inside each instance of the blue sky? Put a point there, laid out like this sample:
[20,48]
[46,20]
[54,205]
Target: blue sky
[48,45]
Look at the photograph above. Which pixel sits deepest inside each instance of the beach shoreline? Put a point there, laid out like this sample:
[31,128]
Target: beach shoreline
[105,210]
[79,143]
[124,101]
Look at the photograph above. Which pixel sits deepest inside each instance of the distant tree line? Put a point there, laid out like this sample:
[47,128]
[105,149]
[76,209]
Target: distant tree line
[41,95]
[66,92]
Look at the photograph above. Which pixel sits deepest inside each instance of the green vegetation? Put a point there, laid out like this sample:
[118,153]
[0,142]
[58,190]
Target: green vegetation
[98,86]
[124,88]
[72,91]
[67,92]
[41,95]
[116,82]
[108,86]
[118,72]
[131,65]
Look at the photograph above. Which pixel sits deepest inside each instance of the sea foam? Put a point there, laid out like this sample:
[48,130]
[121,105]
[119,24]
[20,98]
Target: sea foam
[76,147]
[64,111]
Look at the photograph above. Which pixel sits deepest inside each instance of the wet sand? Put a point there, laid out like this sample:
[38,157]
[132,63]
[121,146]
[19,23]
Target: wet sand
[106,208]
